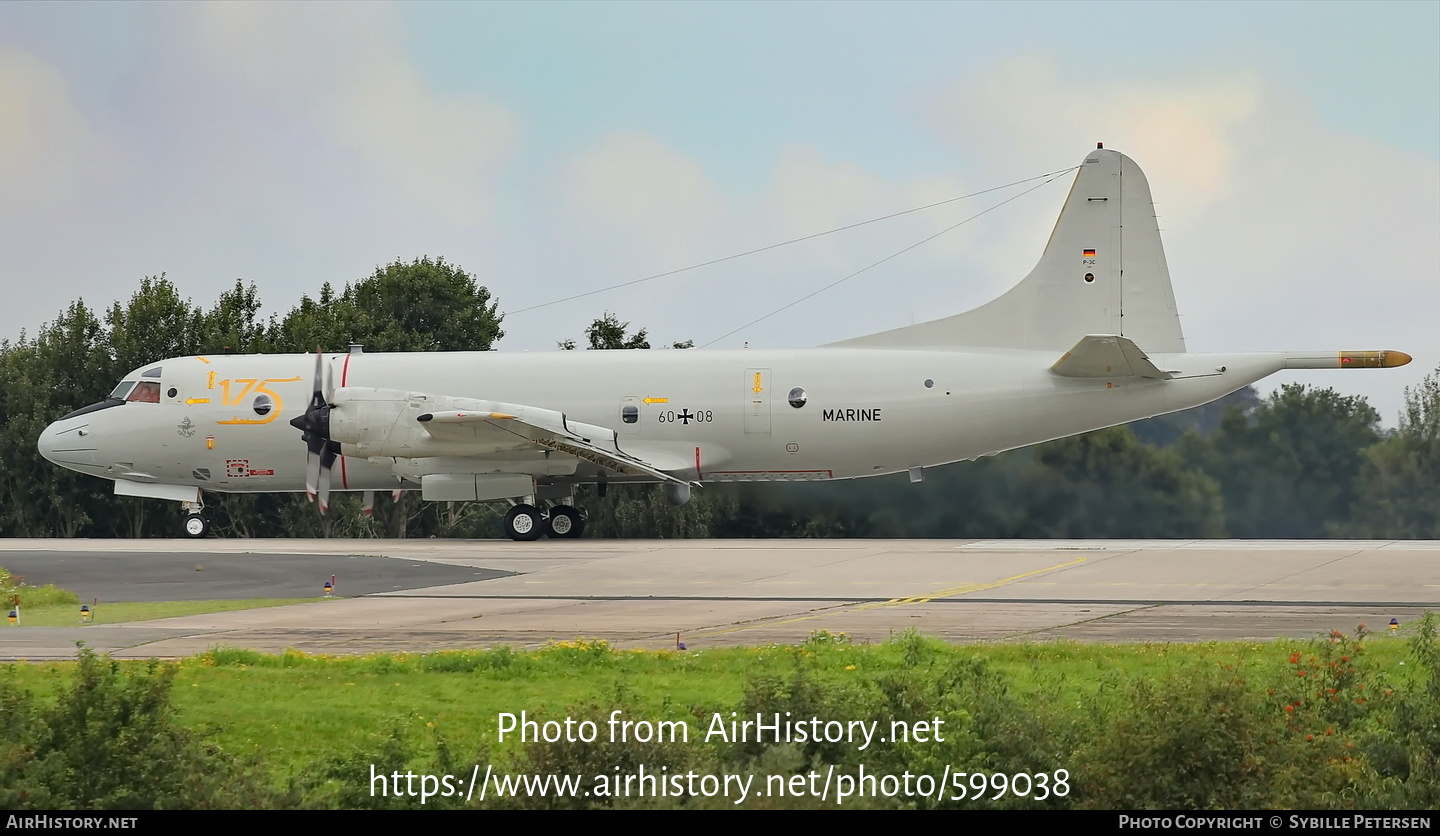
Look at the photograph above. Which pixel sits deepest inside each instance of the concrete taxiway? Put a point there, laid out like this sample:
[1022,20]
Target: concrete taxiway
[432,595]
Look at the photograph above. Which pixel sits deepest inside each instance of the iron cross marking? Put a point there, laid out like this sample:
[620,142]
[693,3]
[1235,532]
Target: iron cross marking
[685,417]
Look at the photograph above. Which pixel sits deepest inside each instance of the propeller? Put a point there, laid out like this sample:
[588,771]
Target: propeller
[368,505]
[314,426]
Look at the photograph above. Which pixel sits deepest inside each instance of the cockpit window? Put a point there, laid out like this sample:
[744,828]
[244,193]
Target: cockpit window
[155,372]
[146,391]
[123,389]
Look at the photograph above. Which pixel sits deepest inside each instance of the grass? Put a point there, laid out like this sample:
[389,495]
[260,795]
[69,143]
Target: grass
[1330,722]
[33,596]
[293,707]
[68,614]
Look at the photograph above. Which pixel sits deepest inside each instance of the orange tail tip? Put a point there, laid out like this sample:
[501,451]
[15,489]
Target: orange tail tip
[1373,359]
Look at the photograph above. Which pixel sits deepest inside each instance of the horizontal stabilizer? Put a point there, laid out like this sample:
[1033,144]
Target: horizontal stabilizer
[1107,356]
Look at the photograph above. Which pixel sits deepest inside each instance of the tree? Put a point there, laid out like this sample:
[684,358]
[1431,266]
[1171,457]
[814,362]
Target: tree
[233,325]
[68,365]
[1108,484]
[1399,488]
[156,323]
[1289,468]
[421,306]
[608,332]
[1165,430]
[425,305]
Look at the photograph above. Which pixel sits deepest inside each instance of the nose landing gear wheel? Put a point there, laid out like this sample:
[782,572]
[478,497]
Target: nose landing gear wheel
[524,522]
[564,521]
[196,526]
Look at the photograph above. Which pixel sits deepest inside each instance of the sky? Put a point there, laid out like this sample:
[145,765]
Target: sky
[552,149]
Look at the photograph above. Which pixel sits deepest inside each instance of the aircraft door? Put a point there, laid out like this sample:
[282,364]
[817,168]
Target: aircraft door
[192,444]
[757,401]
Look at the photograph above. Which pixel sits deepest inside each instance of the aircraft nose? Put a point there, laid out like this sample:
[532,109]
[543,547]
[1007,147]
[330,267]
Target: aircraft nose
[47,443]
[68,443]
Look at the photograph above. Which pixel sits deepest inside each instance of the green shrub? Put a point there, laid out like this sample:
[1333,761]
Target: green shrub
[111,742]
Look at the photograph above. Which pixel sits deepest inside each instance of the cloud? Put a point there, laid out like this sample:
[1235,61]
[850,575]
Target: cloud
[341,69]
[1024,111]
[644,196]
[48,149]
[811,193]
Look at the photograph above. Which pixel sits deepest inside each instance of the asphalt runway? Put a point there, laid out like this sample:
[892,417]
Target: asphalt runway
[433,594]
[202,576]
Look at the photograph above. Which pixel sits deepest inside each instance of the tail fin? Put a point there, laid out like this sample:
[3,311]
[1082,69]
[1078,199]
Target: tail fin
[1103,272]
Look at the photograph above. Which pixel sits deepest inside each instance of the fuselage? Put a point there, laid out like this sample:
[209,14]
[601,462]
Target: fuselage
[222,423]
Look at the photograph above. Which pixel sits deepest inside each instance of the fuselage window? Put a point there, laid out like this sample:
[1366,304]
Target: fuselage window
[629,414]
[123,389]
[798,397]
[146,391]
[155,372]
[263,405]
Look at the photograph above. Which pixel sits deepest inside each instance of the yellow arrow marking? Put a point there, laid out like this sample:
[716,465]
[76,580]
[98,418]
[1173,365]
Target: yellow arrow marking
[657,400]
[193,401]
[758,389]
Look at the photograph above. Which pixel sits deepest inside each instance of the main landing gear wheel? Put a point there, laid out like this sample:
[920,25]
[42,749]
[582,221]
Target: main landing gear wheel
[196,526]
[564,521]
[524,522]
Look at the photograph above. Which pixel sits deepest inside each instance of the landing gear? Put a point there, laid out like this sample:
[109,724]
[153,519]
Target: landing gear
[196,526]
[564,521]
[524,522]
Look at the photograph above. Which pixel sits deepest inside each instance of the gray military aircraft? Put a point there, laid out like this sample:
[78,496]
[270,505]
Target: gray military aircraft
[1089,339]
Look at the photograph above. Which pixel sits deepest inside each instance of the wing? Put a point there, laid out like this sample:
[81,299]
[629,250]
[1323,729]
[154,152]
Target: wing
[392,423]
[543,428]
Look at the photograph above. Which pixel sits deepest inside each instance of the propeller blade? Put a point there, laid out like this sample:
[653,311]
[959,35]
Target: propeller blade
[367,505]
[328,454]
[312,473]
[316,396]
[324,493]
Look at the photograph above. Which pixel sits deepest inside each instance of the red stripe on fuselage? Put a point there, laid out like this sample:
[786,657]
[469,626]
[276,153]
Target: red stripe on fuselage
[344,380]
